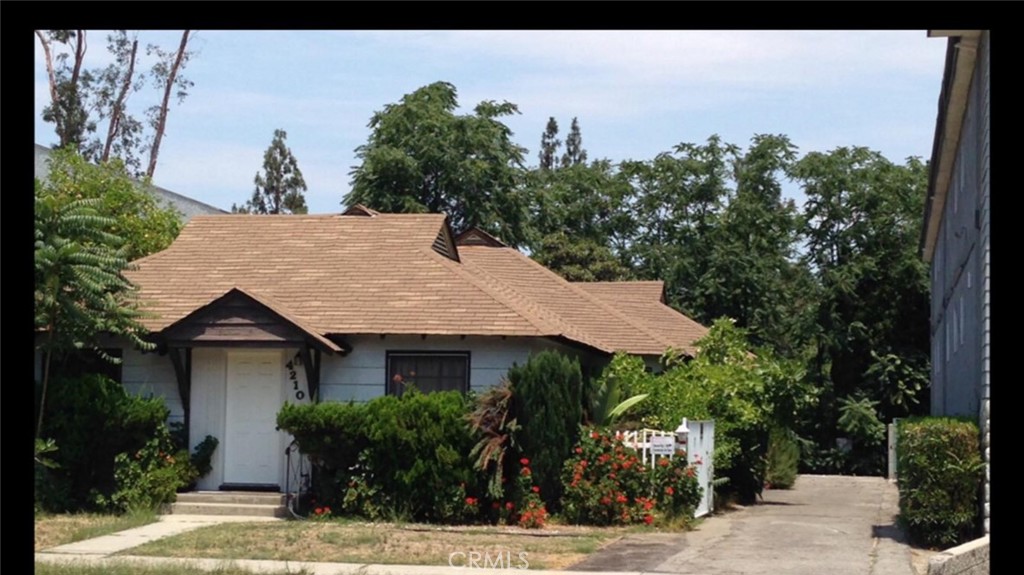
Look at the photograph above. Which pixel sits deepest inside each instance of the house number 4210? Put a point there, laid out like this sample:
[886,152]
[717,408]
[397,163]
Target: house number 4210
[297,360]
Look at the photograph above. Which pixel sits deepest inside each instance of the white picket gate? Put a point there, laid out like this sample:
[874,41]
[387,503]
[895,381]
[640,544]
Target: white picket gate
[700,444]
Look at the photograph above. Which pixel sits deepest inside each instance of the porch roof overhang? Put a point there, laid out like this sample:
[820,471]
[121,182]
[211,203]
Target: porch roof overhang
[241,318]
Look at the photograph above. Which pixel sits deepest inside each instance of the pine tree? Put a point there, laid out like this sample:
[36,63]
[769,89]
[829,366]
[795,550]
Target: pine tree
[279,190]
[574,152]
[549,144]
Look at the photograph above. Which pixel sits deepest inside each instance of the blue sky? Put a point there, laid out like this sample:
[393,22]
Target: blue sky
[636,94]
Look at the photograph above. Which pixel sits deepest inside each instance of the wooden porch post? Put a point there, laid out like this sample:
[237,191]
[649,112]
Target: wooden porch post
[311,361]
[181,358]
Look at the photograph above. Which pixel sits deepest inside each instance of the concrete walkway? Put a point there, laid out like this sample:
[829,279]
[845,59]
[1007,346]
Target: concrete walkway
[165,526]
[832,525]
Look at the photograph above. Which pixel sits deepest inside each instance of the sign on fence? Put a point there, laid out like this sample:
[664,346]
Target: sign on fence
[663,445]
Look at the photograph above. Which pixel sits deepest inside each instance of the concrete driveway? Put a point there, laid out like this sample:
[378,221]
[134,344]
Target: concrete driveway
[825,525]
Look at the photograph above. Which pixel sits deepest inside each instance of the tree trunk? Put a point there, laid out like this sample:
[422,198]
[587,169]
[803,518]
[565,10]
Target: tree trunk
[118,109]
[46,382]
[162,119]
[49,66]
[80,47]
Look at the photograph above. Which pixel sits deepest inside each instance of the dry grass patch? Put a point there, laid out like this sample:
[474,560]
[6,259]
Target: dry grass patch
[53,530]
[347,542]
[134,569]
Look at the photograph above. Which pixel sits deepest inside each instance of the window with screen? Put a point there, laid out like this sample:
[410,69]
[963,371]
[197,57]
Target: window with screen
[427,372]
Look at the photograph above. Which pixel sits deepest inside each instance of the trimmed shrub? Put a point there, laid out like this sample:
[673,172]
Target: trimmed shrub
[393,456]
[548,396]
[939,475]
[93,419]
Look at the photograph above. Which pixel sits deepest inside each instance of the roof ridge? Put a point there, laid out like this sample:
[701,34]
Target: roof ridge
[594,299]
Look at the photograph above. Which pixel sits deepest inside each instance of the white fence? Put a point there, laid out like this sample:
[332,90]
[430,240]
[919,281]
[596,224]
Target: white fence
[700,444]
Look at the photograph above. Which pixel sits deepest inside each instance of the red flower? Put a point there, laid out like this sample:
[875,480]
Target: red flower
[583,463]
[471,501]
[669,490]
[606,501]
[690,472]
[525,471]
[611,476]
[579,450]
[508,505]
[319,511]
[536,489]
[593,435]
[524,461]
[648,505]
[327,509]
[495,505]
[621,498]
[663,462]
[648,519]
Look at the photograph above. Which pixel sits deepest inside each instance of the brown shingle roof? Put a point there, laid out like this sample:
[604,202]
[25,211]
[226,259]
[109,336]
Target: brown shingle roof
[644,302]
[353,274]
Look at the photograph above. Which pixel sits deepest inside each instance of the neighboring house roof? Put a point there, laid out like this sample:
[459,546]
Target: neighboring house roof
[371,273]
[184,204]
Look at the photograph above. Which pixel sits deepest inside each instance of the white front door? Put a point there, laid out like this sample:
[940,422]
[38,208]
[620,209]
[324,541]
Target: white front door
[253,448]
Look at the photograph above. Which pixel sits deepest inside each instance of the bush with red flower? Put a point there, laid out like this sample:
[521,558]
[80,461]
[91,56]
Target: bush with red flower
[321,513]
[532,512]
[606,483]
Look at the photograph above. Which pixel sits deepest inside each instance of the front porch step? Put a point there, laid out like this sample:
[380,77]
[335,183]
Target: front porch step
[242,497]
[238,503]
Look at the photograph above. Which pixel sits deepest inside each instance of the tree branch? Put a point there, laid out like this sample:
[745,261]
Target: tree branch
[162,121]
[118,108]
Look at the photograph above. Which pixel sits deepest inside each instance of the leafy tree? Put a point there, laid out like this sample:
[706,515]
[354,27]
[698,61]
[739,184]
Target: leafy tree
[676,200]
[580,260]
[142,223]
[111,90]
[574,153]
[279,190]
[549,144]
[81,98]
[422,157]
[861,227]
[580,221]
[66,109]
[751,274]
[80,290]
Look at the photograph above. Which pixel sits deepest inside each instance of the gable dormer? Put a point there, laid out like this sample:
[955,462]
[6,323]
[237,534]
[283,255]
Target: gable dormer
[360,210]
[445,244]
[476,237]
